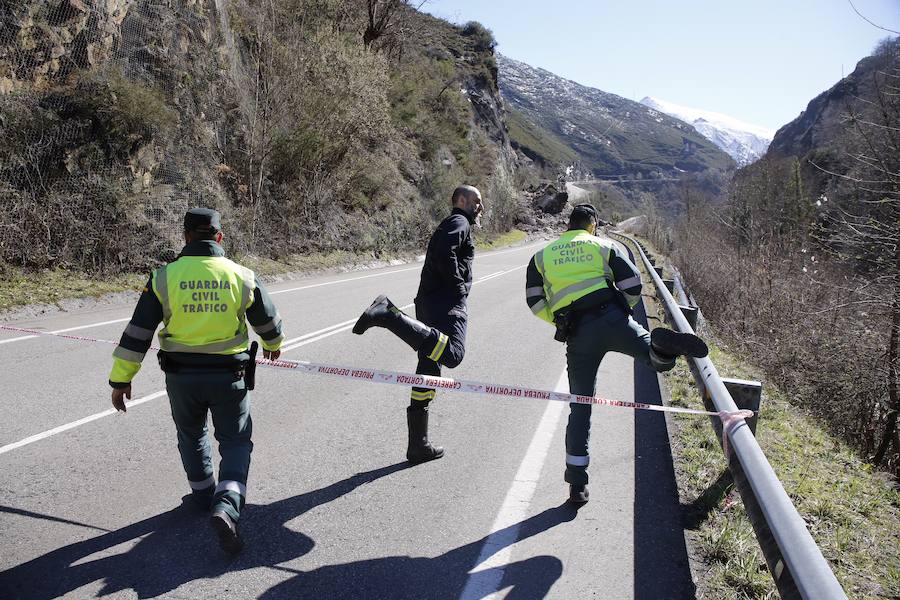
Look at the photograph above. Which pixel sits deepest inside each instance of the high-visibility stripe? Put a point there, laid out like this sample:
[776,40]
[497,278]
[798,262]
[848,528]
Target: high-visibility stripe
[169,346]
[202,485]
[274,343]
[129,355]
[138,333]
[424,395]
[630,282]
[248,281]
[232,486]
[577,461]
[539,264]
[439,348]
[539,307]
[576,287]
[632,299]
[269,326]
[161,287]
[534,291]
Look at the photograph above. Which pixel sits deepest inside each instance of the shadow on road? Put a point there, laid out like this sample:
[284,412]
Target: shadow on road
[443,577]
[661,567]
[159,554]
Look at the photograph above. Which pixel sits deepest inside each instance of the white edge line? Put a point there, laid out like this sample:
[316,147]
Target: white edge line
[100,415]
[487,574]
[73,424]
[315,285]
[272,293]
[28,337]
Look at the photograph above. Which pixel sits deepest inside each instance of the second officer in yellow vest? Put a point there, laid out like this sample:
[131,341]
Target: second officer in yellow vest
[204,301]
[587,286]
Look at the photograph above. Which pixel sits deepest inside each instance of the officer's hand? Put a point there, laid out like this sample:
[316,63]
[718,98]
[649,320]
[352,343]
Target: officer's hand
[118,401]
[271,354]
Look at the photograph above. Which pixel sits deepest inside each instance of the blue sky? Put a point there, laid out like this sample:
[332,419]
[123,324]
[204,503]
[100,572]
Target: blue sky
[760,61]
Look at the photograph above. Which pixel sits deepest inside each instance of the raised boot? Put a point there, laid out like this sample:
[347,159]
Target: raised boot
[383,313]
[419,449]
[670,343]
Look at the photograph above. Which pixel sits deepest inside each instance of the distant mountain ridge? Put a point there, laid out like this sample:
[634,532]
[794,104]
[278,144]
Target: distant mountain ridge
[742,141]
[559,121]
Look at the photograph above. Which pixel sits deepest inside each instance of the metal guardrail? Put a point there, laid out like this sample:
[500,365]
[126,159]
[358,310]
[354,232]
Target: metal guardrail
[794,560]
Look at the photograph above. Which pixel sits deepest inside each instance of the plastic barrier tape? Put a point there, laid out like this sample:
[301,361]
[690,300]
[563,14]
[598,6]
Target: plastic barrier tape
[730,419]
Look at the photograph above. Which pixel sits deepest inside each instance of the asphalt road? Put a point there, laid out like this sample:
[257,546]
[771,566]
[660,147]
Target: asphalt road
[334,511]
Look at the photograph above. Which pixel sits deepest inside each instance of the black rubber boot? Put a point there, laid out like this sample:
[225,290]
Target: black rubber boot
[419,449]
[383,313]
[578,494]
[226,529]
[673,343]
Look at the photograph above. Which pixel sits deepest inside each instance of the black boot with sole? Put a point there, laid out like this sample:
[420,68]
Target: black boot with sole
[419,449]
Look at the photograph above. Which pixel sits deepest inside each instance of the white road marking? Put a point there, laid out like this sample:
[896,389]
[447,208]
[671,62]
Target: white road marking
[346,325]
[28,337]
[303,340]
[73,424]
[315,285]
[487,574]
[305,287]
[494,274]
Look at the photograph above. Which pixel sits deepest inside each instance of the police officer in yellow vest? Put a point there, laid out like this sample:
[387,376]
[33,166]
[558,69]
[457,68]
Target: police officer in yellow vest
[204,301]
[587,286]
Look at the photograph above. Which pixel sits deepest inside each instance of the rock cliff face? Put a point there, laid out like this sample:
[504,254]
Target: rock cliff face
[44,43]
[820,127]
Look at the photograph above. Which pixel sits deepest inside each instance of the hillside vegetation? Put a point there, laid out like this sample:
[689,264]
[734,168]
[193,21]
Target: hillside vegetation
[800,268]
[308,124]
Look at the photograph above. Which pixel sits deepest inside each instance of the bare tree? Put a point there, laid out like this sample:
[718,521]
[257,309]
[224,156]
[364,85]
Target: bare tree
[387,20]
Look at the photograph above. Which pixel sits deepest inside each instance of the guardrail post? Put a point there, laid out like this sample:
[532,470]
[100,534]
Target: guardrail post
[747,395]
[659,270]
[690,313]
[670,285]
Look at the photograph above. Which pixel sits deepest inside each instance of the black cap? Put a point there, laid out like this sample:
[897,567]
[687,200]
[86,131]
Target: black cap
[203,220]
[582,211]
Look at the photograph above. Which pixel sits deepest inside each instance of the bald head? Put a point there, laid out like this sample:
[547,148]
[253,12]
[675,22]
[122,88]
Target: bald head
[468,198]
[464,192]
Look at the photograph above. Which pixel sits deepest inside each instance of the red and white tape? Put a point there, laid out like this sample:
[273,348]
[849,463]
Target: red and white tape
[730,419]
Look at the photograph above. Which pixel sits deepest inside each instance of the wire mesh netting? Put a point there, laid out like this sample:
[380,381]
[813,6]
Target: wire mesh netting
[108,113]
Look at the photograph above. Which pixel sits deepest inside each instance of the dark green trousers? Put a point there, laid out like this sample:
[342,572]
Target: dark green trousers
[596,334]
[193,394]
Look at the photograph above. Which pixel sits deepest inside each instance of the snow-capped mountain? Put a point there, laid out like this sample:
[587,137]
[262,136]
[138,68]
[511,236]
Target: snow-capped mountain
[742,141]
[560,122]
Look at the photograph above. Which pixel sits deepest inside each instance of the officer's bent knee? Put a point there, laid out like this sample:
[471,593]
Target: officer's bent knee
[453,357]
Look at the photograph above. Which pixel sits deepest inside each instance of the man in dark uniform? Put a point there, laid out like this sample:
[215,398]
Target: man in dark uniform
[587,286]
[439,334]
[204,301]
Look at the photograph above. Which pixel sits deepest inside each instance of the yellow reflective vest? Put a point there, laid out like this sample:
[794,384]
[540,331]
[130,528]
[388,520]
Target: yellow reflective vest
[572,267]
[204,300]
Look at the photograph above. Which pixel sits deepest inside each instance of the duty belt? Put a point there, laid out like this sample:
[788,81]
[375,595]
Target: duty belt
[171,366]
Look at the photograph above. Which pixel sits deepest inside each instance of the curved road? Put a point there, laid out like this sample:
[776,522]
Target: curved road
[94,507]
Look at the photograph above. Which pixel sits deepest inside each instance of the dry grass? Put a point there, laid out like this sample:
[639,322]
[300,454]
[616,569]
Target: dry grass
[851,510]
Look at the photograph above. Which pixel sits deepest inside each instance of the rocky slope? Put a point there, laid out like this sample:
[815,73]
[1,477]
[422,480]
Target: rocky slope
[821,126]
[308,131]
[743,142]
